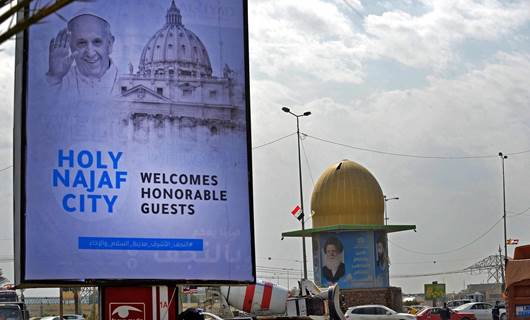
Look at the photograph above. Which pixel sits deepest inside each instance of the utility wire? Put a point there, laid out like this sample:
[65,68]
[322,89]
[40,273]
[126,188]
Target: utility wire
[515,214]
[307,162]
[280,259]
[3,169]
[434,261]
[452,250]
[273,141]
[412,155]
[427,274]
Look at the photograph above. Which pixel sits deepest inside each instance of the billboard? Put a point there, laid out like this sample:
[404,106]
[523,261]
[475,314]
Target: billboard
[434,290]
[355,259]
[133,144]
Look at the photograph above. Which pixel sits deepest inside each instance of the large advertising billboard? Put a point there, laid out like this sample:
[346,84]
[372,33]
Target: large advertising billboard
[135,144]
[356,259]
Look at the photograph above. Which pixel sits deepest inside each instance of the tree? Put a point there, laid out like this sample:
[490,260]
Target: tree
[16,24]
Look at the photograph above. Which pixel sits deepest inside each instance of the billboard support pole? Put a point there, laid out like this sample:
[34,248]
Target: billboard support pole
[61,303]
[76,301]
[101,307]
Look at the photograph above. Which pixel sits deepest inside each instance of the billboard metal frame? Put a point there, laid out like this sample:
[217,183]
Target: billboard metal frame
[19,172]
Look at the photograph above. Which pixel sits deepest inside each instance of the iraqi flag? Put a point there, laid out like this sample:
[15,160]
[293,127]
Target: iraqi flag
[297,213]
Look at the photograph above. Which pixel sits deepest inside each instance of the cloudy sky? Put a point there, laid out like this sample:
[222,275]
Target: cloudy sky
[420,81]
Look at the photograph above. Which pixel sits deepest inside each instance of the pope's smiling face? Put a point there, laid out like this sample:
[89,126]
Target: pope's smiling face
[91,40]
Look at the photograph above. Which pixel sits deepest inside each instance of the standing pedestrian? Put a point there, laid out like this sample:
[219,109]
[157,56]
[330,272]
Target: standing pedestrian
[495,311]
[445,313]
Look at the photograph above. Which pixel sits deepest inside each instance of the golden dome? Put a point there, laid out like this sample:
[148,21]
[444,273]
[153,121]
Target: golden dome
[347,193]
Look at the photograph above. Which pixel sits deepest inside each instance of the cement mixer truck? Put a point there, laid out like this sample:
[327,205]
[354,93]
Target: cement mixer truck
[265,299]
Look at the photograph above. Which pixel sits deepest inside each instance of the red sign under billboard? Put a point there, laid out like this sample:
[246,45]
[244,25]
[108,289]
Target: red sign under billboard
[139,303]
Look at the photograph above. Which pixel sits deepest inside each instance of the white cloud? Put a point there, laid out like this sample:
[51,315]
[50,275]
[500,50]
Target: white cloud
[290,39]
[429,40]
[477,113]
[304,44]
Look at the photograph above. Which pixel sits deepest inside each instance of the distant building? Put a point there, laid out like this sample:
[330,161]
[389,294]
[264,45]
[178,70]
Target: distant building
[490,291]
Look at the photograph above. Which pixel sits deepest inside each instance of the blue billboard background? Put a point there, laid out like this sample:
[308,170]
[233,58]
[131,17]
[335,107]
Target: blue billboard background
[365,266]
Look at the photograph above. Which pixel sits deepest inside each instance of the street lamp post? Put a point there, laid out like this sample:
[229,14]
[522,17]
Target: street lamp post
[305,114]
[385,209]
[503,157]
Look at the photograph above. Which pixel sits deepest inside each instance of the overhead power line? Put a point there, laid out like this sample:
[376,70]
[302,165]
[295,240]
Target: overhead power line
[273,141]
[427,274]
[3,169]
[452,250]
[407,155]
[432,261]
[515,214]
[307,162]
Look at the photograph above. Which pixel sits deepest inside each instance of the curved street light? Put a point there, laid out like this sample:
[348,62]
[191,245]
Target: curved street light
[385,208]
[298,116]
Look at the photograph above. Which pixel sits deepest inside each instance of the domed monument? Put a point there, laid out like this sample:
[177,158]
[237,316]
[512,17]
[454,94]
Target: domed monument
[347,193]
[350,245]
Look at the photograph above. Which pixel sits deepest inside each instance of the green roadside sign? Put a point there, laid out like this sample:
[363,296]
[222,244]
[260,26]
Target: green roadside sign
[434,291]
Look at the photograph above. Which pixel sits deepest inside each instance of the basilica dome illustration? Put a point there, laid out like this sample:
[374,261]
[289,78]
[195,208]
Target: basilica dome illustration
[175,49]
[174,82]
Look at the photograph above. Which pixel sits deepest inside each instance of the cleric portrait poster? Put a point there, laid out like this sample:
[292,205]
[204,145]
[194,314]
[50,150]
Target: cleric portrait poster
[137,162]
[356,259]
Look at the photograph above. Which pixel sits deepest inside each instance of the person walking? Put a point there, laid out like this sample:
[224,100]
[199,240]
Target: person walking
[445,313]
[495,311]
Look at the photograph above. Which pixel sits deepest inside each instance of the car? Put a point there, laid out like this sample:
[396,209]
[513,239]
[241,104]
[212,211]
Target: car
[483,311]
[375,312]
[73,317]
[10,312]
[414,309]
[8,296]
[456,303]
[502,312]
[409,310]
[210,316]
[434,314]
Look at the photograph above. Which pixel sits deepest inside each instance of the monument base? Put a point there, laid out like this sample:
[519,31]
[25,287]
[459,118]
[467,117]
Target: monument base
[390,297]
